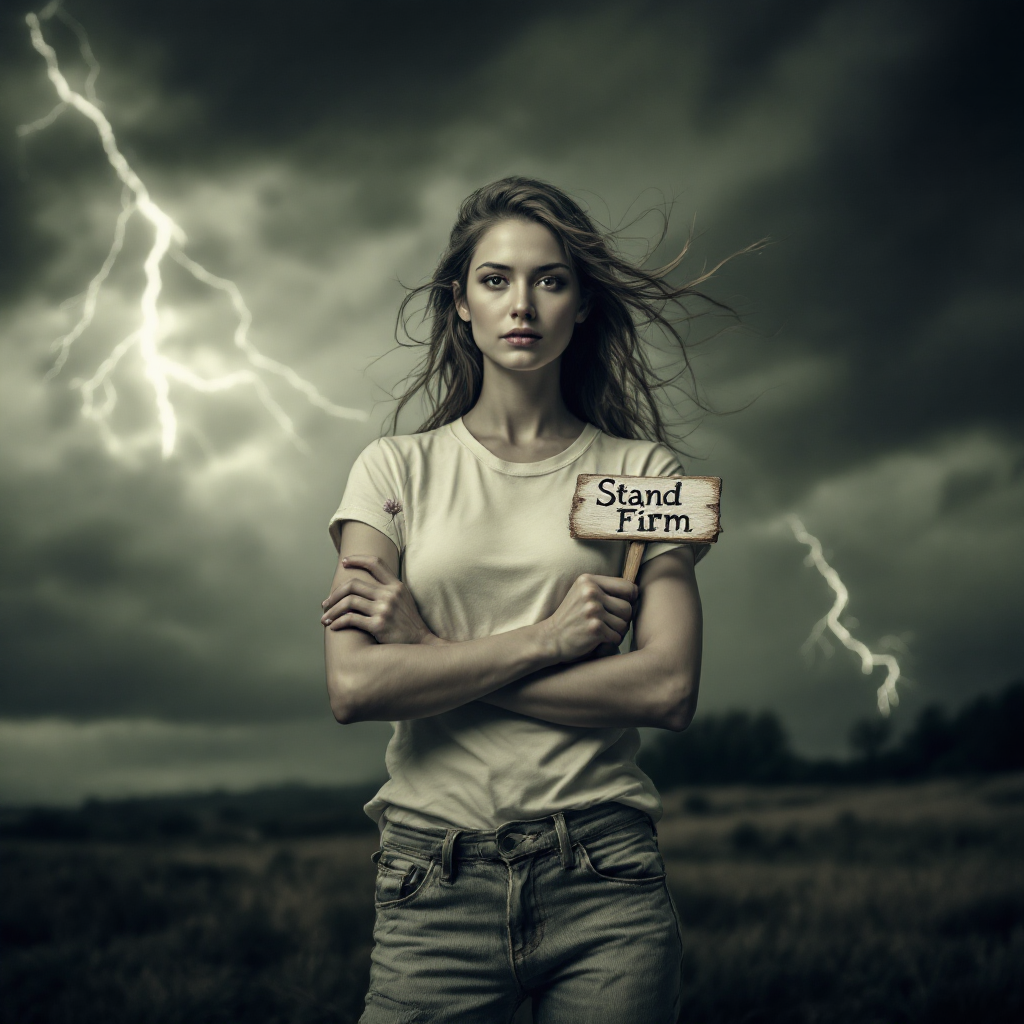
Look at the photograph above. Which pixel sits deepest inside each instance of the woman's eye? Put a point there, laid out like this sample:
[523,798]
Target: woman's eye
[494,280]
[551,282]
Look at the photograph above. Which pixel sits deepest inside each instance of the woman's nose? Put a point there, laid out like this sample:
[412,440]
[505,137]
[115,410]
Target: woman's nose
[522,304]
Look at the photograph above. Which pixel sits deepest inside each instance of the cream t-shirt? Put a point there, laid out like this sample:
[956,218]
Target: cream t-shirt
[485,548]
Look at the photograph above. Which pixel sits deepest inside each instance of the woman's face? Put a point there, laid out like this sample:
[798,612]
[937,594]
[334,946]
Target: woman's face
[522,297]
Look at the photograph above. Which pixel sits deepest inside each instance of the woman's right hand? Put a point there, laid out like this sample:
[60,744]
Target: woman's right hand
[597,610]
[381,606]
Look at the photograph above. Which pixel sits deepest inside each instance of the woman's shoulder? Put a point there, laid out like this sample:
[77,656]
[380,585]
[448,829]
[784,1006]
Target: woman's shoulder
[636,456]
[406,447]
[380,476]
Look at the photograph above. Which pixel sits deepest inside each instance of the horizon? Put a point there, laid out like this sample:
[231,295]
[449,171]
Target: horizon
[891,743]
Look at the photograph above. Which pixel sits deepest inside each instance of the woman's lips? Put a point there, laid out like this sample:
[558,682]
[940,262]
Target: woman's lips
[521,340]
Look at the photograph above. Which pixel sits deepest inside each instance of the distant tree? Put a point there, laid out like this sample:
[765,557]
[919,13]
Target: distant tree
[985,736]
[930,740]
[990,733]
[869,736]
[733,747]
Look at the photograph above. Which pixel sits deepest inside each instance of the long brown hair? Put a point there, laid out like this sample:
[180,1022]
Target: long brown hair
[607,375]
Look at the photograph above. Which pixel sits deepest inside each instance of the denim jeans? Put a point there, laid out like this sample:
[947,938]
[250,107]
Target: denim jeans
[570,911]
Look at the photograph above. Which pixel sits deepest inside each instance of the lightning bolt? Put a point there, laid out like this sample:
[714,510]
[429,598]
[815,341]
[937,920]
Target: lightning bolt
[888,698]
[99,395]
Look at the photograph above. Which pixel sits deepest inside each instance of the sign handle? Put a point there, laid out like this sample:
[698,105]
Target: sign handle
[634,555]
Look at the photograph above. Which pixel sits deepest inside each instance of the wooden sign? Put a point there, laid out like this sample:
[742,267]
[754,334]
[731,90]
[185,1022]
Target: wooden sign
[646,509]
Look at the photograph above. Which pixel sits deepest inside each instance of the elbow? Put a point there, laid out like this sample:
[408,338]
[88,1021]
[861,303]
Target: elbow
[678,703]
[678,718]
[344,713]
[344,692]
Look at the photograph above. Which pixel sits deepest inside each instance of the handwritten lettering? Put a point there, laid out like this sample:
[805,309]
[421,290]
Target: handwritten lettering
[686,528]
[675,509]
[673,523]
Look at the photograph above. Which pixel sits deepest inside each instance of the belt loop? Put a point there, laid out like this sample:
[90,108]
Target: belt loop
[447,851]
[564,845]
[381,824]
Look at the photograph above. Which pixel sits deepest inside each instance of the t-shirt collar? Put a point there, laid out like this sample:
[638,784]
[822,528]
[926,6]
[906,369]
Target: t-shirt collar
[550,465]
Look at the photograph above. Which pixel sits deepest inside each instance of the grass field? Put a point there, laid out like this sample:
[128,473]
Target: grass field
[884,904]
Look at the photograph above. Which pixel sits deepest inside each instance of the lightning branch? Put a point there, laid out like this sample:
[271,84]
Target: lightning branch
[98,392]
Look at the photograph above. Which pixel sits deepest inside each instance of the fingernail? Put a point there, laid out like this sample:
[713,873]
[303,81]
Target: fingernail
[324,621]
[344,561]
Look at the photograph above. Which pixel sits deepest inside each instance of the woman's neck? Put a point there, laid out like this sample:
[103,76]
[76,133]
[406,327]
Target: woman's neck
[521,416]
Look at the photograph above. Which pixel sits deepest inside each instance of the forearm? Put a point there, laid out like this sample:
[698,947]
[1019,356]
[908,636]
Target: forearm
[649,687]
[419,675]
[654,685]
[367,681]
[534,670]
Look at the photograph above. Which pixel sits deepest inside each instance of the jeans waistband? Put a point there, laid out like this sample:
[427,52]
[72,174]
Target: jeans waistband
[515,839]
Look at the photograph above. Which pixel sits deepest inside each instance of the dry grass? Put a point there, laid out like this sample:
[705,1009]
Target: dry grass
[265,933]
[885,904]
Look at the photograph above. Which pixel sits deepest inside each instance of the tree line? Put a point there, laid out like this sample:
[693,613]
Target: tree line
[985,736]
[738,746]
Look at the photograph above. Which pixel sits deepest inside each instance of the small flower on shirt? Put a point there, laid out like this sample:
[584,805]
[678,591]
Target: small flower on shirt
[393,507]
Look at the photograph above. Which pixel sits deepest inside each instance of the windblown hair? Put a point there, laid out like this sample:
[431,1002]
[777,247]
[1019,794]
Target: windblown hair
[607,375]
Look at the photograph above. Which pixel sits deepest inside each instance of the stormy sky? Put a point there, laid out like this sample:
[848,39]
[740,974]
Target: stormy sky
[160,616]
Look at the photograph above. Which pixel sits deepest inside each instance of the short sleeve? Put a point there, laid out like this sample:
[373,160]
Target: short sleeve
[664,462]
[374,494]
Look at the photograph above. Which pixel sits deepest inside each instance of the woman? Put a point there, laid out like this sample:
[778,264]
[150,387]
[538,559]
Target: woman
[518,854]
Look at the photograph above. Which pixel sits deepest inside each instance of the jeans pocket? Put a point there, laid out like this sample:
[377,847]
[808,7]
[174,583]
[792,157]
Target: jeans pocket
[629,856]
[400,877]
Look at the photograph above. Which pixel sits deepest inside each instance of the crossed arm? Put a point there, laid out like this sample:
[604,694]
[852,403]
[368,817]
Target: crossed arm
[384,664]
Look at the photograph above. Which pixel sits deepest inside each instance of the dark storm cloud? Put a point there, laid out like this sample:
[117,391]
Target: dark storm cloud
[874,143]
[898,252]
[126,604]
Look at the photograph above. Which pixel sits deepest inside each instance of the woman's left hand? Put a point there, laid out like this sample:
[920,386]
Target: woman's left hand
[381,606]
